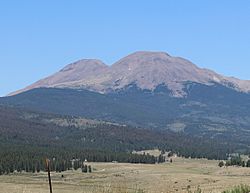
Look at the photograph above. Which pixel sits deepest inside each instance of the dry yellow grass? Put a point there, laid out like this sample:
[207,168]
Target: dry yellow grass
[129,178]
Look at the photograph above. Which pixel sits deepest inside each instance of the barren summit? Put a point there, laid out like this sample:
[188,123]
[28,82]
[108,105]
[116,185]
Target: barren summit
[145,69]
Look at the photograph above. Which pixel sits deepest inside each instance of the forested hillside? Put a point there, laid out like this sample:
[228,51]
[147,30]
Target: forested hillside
[214,112]
[29,137]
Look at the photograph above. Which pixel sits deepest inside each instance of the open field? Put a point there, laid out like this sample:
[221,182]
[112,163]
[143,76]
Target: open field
[119,177]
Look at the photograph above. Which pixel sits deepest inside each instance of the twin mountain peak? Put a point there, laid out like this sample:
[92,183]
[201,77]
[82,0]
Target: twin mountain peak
[145,69]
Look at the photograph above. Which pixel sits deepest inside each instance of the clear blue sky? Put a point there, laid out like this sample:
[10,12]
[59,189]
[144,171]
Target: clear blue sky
[37,38]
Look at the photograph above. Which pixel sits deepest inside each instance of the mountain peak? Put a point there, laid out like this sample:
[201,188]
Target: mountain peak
[83,64]
[146,69]
[80,70]
[149,53]
[145,55]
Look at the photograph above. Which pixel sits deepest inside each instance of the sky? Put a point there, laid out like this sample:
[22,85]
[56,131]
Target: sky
[38,38]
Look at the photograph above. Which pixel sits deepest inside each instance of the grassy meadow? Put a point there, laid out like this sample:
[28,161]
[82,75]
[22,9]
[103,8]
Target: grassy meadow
[183,175]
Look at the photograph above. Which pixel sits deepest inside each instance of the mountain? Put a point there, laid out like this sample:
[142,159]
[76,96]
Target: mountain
[82,70]
[146,70]
[37,133]
[150,90]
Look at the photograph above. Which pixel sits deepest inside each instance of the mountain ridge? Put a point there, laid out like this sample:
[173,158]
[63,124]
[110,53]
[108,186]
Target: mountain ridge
[146,69]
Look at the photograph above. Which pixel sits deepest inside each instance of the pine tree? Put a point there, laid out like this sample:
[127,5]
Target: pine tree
[248,163]
[90,169]
[84,168]
[38,168]
[161,158]
[1,170]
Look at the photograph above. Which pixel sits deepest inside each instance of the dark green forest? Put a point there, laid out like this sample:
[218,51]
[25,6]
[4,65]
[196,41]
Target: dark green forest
[216,111]
[27,138]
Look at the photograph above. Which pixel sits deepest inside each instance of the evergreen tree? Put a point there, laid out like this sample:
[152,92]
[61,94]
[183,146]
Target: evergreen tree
[1,170]
[38,168]
[84,168]
[248,163]
[89,169]
[161,158]
[33,168]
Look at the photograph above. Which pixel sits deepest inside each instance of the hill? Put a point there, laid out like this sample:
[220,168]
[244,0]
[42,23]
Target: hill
[28,130]
[215,112]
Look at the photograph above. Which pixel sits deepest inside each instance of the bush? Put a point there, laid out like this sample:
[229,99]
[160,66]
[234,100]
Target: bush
[198,190]
[239,189]
[221,164]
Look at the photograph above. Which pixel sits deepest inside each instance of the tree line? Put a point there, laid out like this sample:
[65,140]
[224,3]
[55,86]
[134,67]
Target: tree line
[32,159]
[235,160]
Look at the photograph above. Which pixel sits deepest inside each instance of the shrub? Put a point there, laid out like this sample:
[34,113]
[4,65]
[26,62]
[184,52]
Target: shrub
[239,189]
[221,164]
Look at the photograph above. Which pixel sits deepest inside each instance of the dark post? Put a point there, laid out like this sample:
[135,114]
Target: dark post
[48,169]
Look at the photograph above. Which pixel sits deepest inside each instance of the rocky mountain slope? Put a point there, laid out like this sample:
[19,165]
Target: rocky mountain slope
[146,70]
